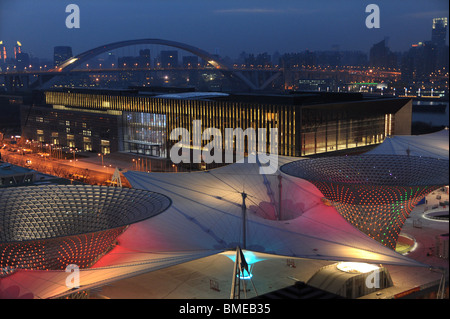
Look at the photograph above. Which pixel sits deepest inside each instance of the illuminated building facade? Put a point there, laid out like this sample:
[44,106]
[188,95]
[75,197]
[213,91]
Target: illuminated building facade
[51,227]
[17,49]
[3,55]
[439,31]
[308,124]
[375,193]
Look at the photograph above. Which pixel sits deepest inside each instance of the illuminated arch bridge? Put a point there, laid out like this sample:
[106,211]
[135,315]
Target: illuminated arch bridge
[82,58]
[375,193]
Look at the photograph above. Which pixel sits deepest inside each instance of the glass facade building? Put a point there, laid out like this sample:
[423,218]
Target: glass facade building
[307,124]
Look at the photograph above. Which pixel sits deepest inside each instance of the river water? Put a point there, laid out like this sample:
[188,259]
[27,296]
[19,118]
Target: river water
[433,118]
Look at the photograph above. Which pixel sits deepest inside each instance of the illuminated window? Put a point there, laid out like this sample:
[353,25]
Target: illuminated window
[87,144]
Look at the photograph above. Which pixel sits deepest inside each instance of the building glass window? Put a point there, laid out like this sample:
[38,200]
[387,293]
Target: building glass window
[330,131]
[87,144]
[105,148]
[145,133]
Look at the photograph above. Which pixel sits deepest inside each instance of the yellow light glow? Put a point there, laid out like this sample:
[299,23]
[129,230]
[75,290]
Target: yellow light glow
[213,63]
[19,44]
[357,268]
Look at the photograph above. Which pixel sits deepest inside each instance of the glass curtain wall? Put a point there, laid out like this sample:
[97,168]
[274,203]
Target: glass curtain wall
[145,133]
[327,131]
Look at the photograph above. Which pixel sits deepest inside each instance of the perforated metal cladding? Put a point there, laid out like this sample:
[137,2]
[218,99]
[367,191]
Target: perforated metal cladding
[43,227]
[378,213]
[373,169]
[375,193]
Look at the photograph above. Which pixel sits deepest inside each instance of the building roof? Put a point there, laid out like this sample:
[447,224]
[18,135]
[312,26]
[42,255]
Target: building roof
[7,169]
[434,145]
[205,218]
[342,99]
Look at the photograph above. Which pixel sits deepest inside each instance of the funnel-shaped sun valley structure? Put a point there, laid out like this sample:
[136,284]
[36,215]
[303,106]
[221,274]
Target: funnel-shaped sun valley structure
[51,227]
[375,193]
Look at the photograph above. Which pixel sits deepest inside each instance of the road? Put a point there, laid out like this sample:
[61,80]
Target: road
[80,169]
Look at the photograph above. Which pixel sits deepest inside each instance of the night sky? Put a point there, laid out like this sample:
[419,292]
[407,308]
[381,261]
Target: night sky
[227,27]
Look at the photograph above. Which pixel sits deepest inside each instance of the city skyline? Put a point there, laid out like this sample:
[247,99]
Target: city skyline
[227,28]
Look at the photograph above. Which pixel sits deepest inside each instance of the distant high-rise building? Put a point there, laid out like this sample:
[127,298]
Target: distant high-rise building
[419,62]
[276,58]
[22,61]
[111,60]
[407,66]
[190,62]
[169,59]
[126,62]
[302,59]
[353,58]
[144,58]
[61,54]
[17,49]
[141,61]
[380,56]
[263,60]
[438,38]
[2,52]
[439,31]
[329,58]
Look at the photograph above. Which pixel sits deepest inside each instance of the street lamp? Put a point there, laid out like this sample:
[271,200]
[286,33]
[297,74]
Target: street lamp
[73,151]
[101,154]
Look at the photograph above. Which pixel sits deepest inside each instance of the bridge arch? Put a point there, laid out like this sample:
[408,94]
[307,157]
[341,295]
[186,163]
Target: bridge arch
[82,58]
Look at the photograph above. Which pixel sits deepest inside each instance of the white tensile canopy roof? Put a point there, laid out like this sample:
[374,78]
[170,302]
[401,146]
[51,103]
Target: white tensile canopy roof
[205,218]
[428,145]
